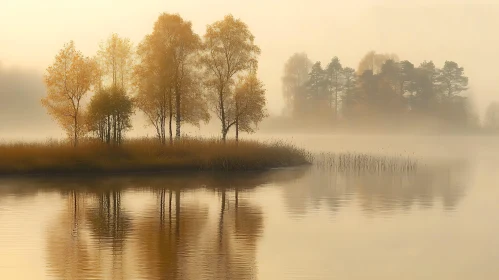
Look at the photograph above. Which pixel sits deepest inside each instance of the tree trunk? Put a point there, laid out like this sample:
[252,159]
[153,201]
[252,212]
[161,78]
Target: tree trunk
[76,130]
[162,128]
[170,107]
[224,134]
[177,115]
[102,129]
[237,120]
[158,132]
[115,130]
[336,104]
[330,101]
[119,130]
[170,126]
[108,139]
[222,113]
[237,129]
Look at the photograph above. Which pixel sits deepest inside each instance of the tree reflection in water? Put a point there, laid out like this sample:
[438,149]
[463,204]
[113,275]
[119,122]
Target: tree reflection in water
[69,252]
[206,227]
[178,237]
[110,226]
[383,192]
[230,248]
[165,241]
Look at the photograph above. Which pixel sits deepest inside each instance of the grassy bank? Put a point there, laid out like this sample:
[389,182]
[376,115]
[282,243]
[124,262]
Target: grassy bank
[146,155]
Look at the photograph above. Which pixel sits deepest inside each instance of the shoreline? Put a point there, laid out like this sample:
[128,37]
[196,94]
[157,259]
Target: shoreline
[139,156]
[144,172]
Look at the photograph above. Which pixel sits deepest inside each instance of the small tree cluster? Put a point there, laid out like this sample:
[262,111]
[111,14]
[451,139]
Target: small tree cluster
[381,86]
[109,115]
[170,87]
[177,78]
[72,76]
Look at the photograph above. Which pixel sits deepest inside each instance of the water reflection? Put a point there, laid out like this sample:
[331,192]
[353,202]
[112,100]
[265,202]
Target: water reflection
[181,232]
[230,250]
[168,241]
[109,226]
[383,192]
[108,222]
[69,252]
[206,226]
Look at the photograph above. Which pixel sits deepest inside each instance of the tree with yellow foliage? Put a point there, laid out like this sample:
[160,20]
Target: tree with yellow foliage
[68,80]
[166,77]
[151,80]
[174,36]
[115,58]
[250,103]
[110,110]
[109,114]
[229,51]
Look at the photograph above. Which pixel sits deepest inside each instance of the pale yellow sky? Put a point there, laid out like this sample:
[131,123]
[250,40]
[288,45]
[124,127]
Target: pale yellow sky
[32,31]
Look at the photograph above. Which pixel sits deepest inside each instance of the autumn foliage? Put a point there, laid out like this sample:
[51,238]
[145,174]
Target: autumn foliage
[68,80]
[173,77]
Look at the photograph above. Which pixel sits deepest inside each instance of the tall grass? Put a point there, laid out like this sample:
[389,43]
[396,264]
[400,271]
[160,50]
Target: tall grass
[363,162]
[143,155]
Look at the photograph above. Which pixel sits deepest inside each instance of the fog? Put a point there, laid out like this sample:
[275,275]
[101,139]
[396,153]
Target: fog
[403,173]
[21,112]
[33,32]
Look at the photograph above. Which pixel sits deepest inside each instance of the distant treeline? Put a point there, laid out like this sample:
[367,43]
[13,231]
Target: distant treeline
[173,76]
[382,88]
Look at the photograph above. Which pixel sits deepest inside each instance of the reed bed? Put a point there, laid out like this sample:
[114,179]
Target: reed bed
[147,155]
[363,162]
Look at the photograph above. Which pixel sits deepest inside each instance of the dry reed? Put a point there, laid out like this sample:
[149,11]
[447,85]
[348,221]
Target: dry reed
[147,155]
[350,162]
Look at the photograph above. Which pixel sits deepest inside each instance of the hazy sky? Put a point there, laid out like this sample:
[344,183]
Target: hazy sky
[33,31]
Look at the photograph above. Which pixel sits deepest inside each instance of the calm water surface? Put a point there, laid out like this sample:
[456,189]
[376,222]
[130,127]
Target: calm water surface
[304,223]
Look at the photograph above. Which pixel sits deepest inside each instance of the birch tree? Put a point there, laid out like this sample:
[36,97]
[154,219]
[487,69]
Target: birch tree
[68,80]
[229,51]
[167,80]
[249,104]
[115,57]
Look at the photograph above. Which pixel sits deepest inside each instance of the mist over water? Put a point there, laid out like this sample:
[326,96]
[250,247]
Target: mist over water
[457,31]
[280,224]
[400,99]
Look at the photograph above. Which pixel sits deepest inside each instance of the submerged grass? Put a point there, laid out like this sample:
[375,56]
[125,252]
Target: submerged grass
[147,155]
[350,162]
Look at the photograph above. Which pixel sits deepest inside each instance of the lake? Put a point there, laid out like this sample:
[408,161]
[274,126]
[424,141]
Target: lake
[437,222]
